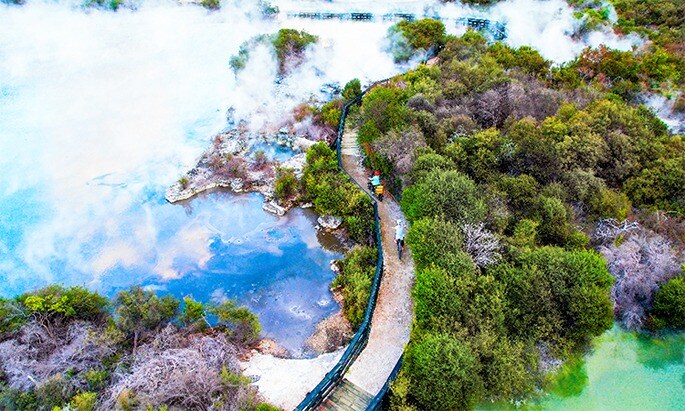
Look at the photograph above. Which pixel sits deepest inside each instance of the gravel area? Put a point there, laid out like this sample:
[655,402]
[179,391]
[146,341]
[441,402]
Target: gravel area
[285,382]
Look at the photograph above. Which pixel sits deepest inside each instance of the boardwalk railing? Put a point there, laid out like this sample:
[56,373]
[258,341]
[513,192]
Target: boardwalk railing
[361,337]
[497,29]
[377,402]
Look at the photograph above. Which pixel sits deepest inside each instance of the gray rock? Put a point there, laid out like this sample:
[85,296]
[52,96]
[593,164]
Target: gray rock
[302,144]
[330,222]
[237,185]
[273,208]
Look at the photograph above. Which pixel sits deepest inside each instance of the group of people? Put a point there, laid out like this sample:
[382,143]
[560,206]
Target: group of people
[376,187]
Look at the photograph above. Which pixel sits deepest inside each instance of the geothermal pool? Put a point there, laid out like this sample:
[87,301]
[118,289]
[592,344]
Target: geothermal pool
[100,112]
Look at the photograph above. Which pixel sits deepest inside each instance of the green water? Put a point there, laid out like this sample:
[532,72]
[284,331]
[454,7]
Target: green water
[624,371]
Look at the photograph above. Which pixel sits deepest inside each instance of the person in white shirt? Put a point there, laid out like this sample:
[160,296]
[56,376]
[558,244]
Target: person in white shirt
[399,237]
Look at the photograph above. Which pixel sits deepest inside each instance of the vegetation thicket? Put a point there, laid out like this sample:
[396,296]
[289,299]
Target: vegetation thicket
[669,304]
[506,166]
[73,349]
[407,38]
[288,46]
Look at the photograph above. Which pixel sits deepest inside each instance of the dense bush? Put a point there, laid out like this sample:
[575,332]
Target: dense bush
[333,193]
[442,373]
[139,311]
[511,168]
[446,194]
[356,276]
[408,37]
[288,46]
[68,352]
[286,184]
[352,89]
[240,324]
[557,296]
[669,304]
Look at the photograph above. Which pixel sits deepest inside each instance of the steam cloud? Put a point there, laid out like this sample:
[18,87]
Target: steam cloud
[100,111]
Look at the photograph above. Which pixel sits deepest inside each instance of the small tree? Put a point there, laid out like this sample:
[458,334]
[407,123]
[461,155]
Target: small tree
[53,306]
[444,373]
[240,324]
[139,311]
[669,304]
[286,184]
[352,89]
[193,314]
[447,194]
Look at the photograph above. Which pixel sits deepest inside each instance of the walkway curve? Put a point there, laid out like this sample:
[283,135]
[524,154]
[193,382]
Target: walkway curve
[393,316]
[364,367]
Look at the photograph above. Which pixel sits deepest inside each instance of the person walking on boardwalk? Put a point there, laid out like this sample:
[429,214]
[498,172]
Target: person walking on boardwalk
[375,185]
[399,237]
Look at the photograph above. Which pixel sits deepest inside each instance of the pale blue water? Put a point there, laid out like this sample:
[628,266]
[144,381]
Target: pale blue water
[99,113]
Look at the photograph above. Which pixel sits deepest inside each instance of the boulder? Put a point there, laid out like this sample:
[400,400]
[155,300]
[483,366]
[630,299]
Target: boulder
[329,222]
[303,144]
[273,208]
[237,185]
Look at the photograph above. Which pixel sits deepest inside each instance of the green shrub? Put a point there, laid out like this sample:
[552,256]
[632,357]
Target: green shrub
[554,226]
[385,107]
[96,379]
[444,373]
[352,89]
[54,392]
[557,296]
[430,238]
[240,324]
[11,399]
[84,401]
[408,37]
[426,163]
[139,311]
[266,407]
[286,184]
[73,302]
[669,304]
[610,204]
[525,234]
[445,194]
[330,114]
[193,314]
[291,44]
[183,182]
[356,276]
[332,192]
[211,4]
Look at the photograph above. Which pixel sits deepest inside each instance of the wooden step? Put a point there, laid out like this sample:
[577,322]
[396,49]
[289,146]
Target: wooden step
[346,397]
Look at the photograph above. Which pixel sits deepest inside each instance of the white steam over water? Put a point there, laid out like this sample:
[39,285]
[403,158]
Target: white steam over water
[100,111]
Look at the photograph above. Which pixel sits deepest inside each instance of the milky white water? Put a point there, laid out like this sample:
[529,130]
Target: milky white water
[100,112]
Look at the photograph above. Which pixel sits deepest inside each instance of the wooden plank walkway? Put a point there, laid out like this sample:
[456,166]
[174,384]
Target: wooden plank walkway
[346,397]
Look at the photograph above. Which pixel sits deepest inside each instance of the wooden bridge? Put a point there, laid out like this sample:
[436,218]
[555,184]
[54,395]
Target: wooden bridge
[497,30]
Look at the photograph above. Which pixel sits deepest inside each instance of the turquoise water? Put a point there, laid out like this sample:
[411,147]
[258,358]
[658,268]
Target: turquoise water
[624,371]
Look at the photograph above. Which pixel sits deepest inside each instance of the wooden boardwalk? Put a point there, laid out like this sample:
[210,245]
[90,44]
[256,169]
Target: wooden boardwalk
[393,316]
[346,397]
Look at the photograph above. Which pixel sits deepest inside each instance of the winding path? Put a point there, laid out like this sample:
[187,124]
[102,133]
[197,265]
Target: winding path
[285,382]
[393,316]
